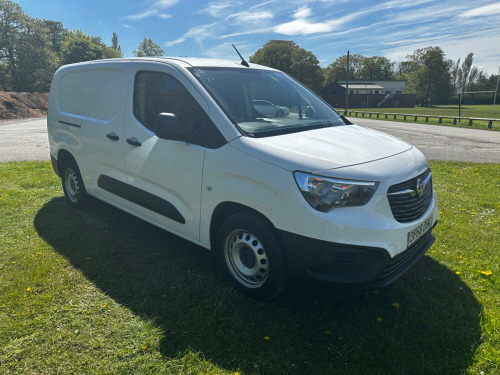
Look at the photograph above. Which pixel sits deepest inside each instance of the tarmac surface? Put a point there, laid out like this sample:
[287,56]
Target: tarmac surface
[24,139]
[27,140]
[442,142]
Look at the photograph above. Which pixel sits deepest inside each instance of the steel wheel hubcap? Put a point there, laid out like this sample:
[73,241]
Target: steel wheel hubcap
[246,258]
[72,186]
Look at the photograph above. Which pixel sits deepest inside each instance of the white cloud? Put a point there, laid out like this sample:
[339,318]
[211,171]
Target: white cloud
[482,11]
[302,12]
[155,9]
[254,16]
[302,27]
[126,25]
[199,33]
[218,10]
[245,32]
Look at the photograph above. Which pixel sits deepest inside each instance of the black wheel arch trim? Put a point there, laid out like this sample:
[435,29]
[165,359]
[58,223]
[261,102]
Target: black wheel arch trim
[55,166]
[140,197]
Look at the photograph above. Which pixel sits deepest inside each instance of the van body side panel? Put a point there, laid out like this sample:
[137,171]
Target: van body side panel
[86,103]
[65,117]
[230,175]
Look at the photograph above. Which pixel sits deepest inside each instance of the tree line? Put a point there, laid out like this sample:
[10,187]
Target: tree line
[429,74]
[32,49]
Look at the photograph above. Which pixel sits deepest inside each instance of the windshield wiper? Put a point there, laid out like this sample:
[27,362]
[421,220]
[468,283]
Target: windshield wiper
[287,130]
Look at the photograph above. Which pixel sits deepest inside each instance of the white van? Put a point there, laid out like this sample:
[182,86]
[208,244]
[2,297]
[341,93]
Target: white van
[180,143]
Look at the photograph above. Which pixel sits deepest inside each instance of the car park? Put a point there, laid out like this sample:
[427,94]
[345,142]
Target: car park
[181,143]
[269,109]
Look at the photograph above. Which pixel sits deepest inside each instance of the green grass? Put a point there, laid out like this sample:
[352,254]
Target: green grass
[483,111]
[98,291]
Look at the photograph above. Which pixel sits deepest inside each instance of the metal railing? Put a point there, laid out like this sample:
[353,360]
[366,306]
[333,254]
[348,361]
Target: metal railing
[416,116]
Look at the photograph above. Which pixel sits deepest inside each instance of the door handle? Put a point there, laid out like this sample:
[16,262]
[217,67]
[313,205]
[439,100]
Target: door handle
[112,136]
[134,142]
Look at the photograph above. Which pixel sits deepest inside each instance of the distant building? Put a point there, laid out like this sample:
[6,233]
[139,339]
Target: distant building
[369,93]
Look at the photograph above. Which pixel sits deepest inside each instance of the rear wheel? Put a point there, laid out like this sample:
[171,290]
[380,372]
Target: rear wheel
[249,250]
[72,183]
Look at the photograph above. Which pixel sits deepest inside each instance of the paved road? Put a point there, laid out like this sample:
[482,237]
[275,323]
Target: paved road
[27,140]
[442,142]
[24,140]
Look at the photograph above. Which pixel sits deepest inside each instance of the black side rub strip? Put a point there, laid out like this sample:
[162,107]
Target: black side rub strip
[140,197]
[70,124]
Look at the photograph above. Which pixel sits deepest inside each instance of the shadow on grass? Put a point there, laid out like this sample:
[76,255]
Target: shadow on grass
[163,278]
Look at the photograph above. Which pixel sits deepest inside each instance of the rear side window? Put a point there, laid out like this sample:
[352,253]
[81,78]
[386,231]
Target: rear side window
[156,92]
[94,93]
[71,91]
[105,88]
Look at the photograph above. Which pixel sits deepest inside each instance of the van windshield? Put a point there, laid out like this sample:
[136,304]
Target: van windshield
[264,103]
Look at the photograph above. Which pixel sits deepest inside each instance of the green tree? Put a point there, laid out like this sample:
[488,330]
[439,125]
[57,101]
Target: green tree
[12,24]
[148,48]
[78,46]
[35,62]
[290,58]
[429,78]
[337,70]
[57,34]
[376,67]
[465,75]
[114,43]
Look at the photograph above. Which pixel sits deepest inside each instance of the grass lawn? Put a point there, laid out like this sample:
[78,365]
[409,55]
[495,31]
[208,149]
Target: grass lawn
[98,291]
[483,111]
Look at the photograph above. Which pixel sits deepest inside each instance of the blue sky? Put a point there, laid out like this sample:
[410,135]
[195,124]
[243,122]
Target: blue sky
[391,28]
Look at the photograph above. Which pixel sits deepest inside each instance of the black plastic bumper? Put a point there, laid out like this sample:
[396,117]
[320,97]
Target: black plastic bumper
[308,258]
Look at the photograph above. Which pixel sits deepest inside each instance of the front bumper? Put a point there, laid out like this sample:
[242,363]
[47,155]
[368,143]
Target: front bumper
[325,261]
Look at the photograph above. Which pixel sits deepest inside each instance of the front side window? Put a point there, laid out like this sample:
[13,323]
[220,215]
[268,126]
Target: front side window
[156,92]
[263,103]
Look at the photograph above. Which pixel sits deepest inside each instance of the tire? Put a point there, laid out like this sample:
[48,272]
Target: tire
[72,183]
[249,251]
[280,113]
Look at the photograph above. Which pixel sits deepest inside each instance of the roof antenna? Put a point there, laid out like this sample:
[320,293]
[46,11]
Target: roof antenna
[243,62]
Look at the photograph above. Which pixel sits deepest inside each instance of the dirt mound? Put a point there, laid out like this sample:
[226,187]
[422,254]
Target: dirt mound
[23,104]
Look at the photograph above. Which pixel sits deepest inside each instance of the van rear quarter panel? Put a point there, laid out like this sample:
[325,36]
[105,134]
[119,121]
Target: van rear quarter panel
[65,114]
[92,97]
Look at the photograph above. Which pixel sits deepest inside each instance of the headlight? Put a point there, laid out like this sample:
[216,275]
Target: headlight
[325,193]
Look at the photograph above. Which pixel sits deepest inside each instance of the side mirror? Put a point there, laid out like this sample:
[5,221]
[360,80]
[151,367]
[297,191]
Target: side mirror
[167,126]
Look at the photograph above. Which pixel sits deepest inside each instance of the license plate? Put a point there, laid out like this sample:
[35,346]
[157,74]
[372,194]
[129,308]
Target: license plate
[416,233]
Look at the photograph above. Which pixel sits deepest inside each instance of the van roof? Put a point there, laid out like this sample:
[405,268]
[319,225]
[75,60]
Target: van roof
[183,61]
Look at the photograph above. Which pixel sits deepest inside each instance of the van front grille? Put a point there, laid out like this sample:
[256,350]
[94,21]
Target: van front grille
[406,202]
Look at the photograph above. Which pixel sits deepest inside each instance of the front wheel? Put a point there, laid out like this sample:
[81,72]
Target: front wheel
[280,113]
[72,183]
[250,252]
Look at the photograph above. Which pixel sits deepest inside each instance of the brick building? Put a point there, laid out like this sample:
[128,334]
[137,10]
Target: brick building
[366,94]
